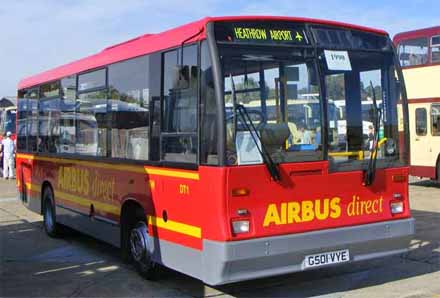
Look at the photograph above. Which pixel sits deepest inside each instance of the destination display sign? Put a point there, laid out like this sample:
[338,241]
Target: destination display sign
[261,32]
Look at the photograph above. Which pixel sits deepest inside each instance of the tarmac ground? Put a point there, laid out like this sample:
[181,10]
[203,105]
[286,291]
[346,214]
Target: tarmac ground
[34,265]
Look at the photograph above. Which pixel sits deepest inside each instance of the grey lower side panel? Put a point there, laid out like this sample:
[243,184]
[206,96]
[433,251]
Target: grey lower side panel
[99,229]
[178,257]
[226,262]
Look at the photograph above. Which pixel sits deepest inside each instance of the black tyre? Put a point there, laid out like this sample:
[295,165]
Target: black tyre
[141,248]
[51,226]
[438,171]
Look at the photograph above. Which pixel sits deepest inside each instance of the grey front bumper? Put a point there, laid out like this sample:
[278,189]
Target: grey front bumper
[226,262]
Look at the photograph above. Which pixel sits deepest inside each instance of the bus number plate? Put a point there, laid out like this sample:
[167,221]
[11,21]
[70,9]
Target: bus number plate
[326,258]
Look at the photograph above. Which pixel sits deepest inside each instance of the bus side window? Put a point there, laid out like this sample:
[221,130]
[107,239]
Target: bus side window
[435,119]
[129,108]
[413,51]
[49,118]
[32,119]
[208,121]
[435,49]
[67,139]
[91,114]
[179,107]
[421,122]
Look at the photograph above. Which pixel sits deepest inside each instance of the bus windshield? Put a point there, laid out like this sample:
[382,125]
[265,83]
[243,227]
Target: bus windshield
[285,89]
[371,76]
[280,91]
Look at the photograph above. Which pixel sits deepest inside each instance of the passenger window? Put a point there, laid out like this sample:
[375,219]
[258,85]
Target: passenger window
[50,89]
[92,80]
[22,106]
[421,119]
[435,49]
[179,106]
[49,120]
[67,139]
[413,52]
[91,123]
[435,120]
[129,98]
[32,120]
[209,109]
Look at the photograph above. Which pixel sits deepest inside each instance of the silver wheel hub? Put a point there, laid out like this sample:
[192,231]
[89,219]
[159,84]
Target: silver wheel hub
[139,244]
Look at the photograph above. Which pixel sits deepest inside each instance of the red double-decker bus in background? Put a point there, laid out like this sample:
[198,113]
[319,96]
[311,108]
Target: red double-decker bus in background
[230,148]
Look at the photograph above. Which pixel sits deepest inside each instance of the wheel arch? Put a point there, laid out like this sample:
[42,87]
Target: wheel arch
[129,205]
[131,212]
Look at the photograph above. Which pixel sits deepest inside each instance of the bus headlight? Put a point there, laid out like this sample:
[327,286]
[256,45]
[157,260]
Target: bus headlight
[240,226]
[396,207]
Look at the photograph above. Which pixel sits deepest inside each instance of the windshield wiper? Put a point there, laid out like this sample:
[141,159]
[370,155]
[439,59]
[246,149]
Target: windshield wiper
[371,170]
[247,121]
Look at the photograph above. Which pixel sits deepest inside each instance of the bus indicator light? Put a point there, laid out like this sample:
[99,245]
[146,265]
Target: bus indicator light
[399,178]
[240,192]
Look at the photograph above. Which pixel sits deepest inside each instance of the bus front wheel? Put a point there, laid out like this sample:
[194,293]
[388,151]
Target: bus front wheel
[51,226]
[438,170]
[141,248]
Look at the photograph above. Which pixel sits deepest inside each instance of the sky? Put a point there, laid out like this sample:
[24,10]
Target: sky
[36,35]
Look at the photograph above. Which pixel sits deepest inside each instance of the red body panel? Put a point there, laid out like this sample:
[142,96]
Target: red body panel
[309,187]
[205,203]
[423,171]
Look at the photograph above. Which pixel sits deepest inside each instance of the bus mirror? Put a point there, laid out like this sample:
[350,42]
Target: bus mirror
[181,77]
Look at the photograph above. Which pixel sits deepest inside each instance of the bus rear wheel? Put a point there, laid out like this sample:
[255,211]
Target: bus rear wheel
[51,226]
[141,248]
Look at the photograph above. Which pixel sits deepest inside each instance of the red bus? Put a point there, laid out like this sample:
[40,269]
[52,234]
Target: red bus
[165,147]
[419,55]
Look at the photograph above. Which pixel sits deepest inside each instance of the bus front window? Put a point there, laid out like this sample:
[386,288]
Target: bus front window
[279,90]
[370,79]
